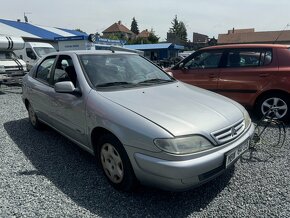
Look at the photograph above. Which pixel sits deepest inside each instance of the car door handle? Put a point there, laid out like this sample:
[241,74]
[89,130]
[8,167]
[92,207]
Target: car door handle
[212,75]
[264,74]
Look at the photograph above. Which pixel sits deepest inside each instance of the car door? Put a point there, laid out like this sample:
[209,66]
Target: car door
[39,88]
[200,69]
[246,72]
[67,109]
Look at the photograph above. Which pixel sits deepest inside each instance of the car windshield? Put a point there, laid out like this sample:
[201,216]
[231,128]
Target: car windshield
[122,70]
[41,51]
[5,55]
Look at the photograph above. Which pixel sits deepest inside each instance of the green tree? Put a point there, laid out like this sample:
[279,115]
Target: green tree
[113,37]
[138,40]
[182,32]
[152,37]
[175,23]
[134,26]
[179,29]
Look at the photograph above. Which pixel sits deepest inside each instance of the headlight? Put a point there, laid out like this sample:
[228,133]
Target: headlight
[2,69]
[246,118]
[184,145]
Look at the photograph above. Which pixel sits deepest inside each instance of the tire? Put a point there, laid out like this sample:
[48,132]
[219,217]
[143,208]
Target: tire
[33,118]
[115,163]
[281,104]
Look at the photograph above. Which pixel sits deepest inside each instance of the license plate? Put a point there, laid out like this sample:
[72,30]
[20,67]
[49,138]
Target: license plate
[236,153]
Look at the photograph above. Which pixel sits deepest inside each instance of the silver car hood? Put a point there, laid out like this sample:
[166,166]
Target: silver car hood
[179,108]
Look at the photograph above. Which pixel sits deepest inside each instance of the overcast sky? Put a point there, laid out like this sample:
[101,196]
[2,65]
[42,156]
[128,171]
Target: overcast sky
[209,17]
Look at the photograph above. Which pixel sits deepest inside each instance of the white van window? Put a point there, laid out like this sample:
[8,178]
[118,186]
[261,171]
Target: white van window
[41,51]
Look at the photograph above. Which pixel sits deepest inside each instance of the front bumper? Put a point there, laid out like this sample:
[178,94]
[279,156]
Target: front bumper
[11,79]
[184,174]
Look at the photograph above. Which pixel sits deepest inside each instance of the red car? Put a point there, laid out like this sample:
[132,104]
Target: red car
[255,75]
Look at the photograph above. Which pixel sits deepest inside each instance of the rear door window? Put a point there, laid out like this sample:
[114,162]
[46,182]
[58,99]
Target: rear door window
[249,58]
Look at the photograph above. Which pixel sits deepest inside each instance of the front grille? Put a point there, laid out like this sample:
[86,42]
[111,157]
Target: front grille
[15,73]
[229,133]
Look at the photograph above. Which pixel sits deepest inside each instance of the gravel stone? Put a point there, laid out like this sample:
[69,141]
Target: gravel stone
[42,174]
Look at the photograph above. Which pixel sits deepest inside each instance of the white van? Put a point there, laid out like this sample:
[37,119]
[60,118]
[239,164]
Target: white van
[33,51]
[12,68]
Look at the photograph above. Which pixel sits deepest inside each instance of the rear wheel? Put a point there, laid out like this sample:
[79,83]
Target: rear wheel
[279,105]
[33,118]
[115,163]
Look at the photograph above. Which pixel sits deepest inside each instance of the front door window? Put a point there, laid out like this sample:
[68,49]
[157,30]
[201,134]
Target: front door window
[204,60]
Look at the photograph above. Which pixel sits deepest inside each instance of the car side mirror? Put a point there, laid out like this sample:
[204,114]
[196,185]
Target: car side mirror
[66,87]
[181,65]
[170,73]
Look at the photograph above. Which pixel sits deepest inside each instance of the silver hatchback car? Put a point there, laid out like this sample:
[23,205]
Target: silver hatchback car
[141,124]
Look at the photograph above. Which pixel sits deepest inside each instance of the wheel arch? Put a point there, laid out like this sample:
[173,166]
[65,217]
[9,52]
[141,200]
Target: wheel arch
[129,182]
[270,92]
[273,93]
[96,133]
[26,103]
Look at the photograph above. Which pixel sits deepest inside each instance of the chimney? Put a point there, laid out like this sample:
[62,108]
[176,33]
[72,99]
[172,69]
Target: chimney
[119,22]
[231,31]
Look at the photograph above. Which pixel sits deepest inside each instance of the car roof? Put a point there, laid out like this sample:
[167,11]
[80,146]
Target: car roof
[246,46]
[84,52]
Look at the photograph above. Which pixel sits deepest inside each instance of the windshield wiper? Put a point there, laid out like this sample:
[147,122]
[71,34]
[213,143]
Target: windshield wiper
[112,84]
[155,81]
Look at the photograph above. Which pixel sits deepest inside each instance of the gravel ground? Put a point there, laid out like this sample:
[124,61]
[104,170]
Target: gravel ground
[42,174]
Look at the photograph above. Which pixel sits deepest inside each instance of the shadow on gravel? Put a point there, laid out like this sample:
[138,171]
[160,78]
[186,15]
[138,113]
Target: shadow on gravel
[74,172]
[271,142]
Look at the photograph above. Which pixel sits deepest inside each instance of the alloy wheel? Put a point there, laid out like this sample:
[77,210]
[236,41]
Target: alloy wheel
[277,105]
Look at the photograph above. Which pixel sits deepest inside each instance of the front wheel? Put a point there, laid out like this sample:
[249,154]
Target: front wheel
[115,163]
[33,119]
[275,105]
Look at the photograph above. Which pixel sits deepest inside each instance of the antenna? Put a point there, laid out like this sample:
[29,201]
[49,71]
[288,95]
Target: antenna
[25,17]
[281,33]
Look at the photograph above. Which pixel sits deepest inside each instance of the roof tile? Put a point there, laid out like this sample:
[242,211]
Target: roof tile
[117,27]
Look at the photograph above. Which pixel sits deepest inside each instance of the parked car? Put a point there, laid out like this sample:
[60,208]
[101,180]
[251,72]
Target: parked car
[12,69]
[141,124]
[255,75]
